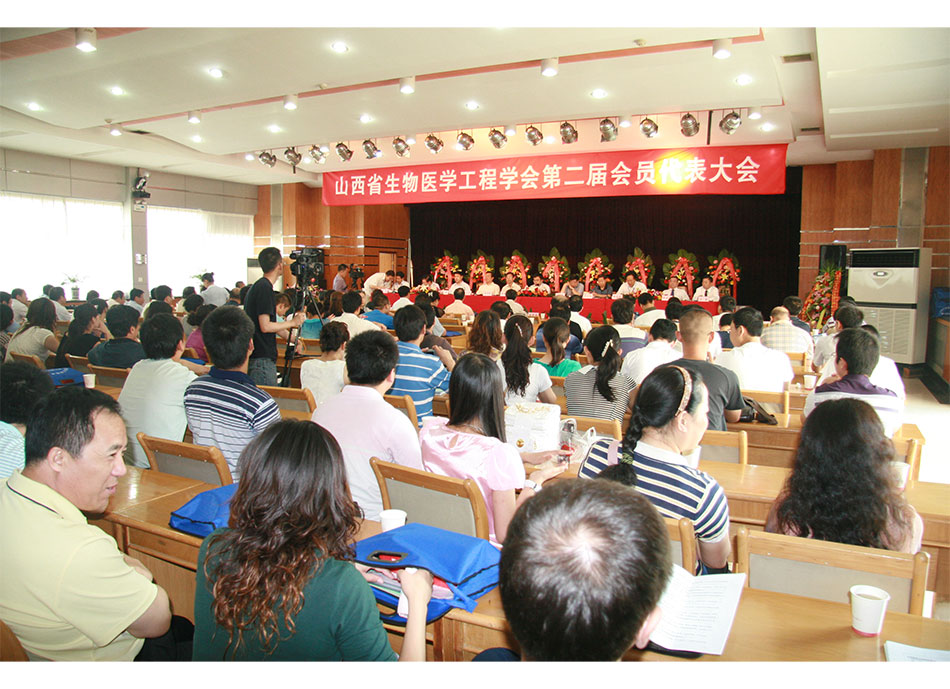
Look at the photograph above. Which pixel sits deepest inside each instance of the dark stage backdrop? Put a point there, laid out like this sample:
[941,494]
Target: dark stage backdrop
[762,231]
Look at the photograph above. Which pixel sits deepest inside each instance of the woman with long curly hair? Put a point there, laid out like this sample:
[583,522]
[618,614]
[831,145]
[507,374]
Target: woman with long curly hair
[525,380]
[275,585]
[841,487]
[486,336]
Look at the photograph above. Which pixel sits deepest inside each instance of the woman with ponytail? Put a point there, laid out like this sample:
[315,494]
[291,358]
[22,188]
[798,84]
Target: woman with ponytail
[666,426]
[555,334]
[82,334]
[599,389]
[525,380]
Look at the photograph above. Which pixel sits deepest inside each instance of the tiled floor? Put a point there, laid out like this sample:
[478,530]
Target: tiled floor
[933,419]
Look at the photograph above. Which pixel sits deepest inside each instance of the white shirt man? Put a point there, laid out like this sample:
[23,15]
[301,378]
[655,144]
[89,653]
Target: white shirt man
[756,366]
[460,308]
[20,304]
[510,284]
[537,285]
[885,375]
[639,363]
[674,291]
[488,288]
[379,280]
[630,286]
[458,283]
[649,317]
[707,292]
[581,321]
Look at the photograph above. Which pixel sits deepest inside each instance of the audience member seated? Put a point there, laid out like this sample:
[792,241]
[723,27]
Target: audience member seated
[539,286]
[92,295]
[196,340]
[190,304]
[650,312]
[884,375]
[793,305]
[831,325]
[510,284]
[783,336]
[631,286]
[724,398]
[313,325]
[152,399]
[572,287]
[706,292]
[525,380]
[599,389]
[471,443]
[576,303]
[163,293]
[575,343]
[323,376]
[756,366]
[8,326]
[276,584]
[137,300]
[432,299]
[22,386]
[726,305]
[725,327]
[156,307]
[459,307]
[365,424]
[351,303]
[123,350]
[57,295]
[35,337]
[6,323]
[622,312]
[431,339]
[582,572]
[674,291]
[602,288]
[488,288]
[842,487]
[846,316]
[511,300]
[486,336]
[118,297]
[82,334]
[68,592]
[555,334]
[403,300]
[211,293]
[381,312]
[856,355]
[419,375]
[225,408]
[19,303]
[668,420]
[638,364]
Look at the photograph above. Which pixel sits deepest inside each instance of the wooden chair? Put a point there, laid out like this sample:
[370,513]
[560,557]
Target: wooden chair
[60,328]
[909,450]
[582,359]
[29,359]
[80,363]
[405,404]
[448,503]
[190,353]
[309,346]
[292,399]
[110,377]
[11,650]
[441,406]
[781,399]
[825,570]
[737,439]
[797,358]
[606,427]
[681,531]
[201,462]
[557,384]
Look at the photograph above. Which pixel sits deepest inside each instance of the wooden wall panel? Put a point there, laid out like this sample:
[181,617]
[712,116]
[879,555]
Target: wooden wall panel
[289,216]
[886,188]
[854,181]
[262,219]
[938,187]
[818,197]
[386,228]
[312,216]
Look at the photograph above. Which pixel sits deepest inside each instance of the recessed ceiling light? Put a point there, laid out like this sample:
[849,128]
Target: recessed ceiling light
[34,106]
[196,138]
[510,129]
[366,118]
[273,129]
[407,85]
[722,48]
[290,102]
[744,80]
[117,91]
[86,40]
[549,139]
[115,131]
[598,93]
[625,121]
[411,140]
[194,117]
[549,67]
[307,160]
[755,113]
[767,127]
[216,72]
[339,47]
[471,105]
[248,156]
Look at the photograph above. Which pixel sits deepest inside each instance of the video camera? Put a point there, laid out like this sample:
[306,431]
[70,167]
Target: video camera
[356,272]
[308,266]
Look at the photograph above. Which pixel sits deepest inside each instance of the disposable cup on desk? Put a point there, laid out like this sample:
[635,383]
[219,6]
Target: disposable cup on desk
[392,519]
[868,607]
[810,381]
[901,473]
[89,380]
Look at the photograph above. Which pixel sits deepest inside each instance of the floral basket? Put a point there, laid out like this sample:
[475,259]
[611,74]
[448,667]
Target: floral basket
[554,268]
[724,272]
[480,264]
[641,264]
[684,266]
[822,300]
[593,266]
[444,267]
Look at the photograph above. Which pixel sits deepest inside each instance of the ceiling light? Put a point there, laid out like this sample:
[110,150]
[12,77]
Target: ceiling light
[117,91]
[86,40]
[339,47]
[325,148]
[498,139]
[194,116]
[115,131]
[722,48]
[196,138]
[290,102]
[608,130]
[648,128]
[549,139]
[568,133]
[730,123]
[248,156]
[401,147]
[407,85]
[35,107]
[744,80]
[292,156]
[369,148]
[767,127]
[267,158]
[533,135]
[307,160]
[464,142]
[755,113]
[549,67]
[217,73]
[626,121]
[689,125]
[366,118]
[411,140]
[510,130]
[318,155]
[598,93]
[471,105]
[344,152]
[433,143]
[273,129]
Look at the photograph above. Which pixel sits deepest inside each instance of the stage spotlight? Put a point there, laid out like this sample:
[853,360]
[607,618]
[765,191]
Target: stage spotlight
[608,130]
[689,125]
[464,142]
[407,85]
[648,128]
[549,67]
[433,143]
[401,147]
[318,154]
[344,152]
[722,48]
[730,123]
[267,158]
[498,140]
[568,133]
[86,40]
[369,148]
[533,135]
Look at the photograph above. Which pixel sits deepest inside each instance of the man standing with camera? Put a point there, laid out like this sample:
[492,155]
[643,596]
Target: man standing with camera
[261,306]
[339,280]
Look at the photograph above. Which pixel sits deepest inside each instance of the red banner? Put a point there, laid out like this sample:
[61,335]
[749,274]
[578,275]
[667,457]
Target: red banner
[719,170]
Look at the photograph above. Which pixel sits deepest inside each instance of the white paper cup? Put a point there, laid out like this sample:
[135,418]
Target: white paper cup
[810,381]
[392,519]
[89,379]
[901,473]
[868,605]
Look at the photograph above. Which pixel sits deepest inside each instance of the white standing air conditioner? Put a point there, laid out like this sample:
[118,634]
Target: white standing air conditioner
[892,288]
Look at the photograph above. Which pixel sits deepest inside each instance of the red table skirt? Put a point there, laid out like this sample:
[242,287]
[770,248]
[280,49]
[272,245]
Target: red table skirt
[594,309]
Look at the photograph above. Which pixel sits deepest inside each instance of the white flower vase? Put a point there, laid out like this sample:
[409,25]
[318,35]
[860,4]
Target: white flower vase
[75,291]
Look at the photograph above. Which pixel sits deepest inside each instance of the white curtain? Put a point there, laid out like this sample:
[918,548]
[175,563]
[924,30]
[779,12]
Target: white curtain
[185,243]
[45,239]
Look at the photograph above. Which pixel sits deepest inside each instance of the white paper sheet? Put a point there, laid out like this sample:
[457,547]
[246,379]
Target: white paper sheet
[902,653]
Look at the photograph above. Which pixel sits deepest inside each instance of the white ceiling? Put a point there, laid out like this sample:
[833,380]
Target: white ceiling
[864,89]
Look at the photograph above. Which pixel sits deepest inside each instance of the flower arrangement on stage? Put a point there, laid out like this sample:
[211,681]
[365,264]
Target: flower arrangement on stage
[444,267]
[554,268]
[517,264]
[480,264]
[822,300]
[593,266]
[641,264]
[724,271]
[684,266]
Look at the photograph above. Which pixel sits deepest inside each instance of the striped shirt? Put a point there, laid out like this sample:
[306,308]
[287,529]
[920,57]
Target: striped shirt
[886,403]
[675,489]
[227,410]
[419,376]
[584,399]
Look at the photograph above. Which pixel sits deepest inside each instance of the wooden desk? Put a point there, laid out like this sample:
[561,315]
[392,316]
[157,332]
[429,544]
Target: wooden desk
[109,390]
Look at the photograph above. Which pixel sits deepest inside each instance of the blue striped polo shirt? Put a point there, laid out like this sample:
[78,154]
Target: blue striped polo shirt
[419,375]
[226,409]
